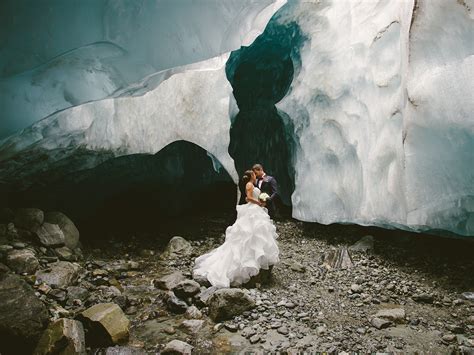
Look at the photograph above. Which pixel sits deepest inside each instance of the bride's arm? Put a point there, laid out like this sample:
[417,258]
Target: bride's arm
[248,191]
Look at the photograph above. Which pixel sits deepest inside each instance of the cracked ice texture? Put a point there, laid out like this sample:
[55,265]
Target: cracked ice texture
[55,54]
[384,114]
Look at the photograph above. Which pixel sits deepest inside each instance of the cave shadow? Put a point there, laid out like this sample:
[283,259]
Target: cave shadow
[154,196]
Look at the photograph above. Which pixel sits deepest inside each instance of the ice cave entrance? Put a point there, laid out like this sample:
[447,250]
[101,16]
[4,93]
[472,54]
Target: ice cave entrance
[260,76]
[136,193]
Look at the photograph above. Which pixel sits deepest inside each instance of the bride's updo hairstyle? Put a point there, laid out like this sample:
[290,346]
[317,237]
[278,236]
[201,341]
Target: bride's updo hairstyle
[247,177]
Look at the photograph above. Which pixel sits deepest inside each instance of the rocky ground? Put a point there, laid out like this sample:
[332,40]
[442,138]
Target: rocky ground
[334,290]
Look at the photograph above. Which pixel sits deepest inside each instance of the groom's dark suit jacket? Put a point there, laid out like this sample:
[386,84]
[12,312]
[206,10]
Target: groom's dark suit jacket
[269,185]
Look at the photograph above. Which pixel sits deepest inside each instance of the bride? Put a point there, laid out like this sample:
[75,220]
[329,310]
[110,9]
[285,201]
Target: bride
[250,243]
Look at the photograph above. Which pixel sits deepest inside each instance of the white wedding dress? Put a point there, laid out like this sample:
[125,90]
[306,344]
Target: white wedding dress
[250,245]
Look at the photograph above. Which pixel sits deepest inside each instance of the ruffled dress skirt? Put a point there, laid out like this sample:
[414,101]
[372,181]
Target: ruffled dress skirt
[250,245]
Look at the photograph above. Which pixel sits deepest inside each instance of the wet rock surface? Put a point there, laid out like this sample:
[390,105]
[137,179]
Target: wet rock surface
[400,294]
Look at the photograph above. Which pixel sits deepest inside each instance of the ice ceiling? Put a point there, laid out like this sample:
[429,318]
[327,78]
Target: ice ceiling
[375,124]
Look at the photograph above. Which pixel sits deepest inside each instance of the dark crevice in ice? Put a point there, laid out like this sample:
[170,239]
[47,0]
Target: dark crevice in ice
[261,75]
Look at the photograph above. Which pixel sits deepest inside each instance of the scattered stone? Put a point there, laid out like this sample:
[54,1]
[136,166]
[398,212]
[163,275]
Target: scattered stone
[122,350]
[22,315]
[70,232]
[283,330]
[231,327]
[396,315]
[169,281]
[28,218]
[366,244]
[297,267]
[192,325]
[254,339]
[64,253]
[193,313]
[177,347]
[19,245]
[356,288]
[202,280]
[187,288]
[176,305]
[106,324]
[59,274]
[64,336]
[22,261]
[423,298]
[380,323]
[50,235]
[229,302]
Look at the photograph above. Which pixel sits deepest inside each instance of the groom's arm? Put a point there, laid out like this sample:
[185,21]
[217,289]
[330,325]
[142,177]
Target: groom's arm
[274,185]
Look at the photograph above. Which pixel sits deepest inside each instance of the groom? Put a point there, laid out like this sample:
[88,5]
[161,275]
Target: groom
[267,184]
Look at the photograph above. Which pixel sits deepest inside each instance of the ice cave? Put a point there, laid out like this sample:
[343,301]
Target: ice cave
[236,176]
[363,110]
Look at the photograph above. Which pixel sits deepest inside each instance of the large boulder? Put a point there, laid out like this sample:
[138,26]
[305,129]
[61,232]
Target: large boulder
[22,261]
[22,315]
[71,233]
[227,303]
[177,247]
[106,325]
[28,218]
[50,235]
[186,288]
[65,336]
[59,275]
[169,281]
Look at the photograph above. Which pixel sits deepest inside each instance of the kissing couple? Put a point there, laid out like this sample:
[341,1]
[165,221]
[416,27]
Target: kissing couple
[250,243]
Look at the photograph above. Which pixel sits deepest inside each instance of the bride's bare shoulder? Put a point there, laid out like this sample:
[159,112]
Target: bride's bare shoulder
[249,186]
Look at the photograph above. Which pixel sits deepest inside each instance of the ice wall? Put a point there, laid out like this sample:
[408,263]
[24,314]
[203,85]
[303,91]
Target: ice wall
[56,54]
[384,110]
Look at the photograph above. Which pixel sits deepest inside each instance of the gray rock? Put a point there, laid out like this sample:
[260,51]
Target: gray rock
[254,339]
[380,323]
[192,326]
[28,218]
[396,315]
[22,315]
[202,280]
[106,324]
[169,281]
[295,266]
[64,253]
[122,350]
[22,261]
[193,313]
[175,305]
[227,303]
[366,244]
[70,232]
[283,330]
[77,293]
[203,297]
[356,288]
[60,274]
[50,235]
[177,347]
[64,336]
[186,288]
[177,247]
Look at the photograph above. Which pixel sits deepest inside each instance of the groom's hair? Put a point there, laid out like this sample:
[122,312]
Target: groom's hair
[257,167]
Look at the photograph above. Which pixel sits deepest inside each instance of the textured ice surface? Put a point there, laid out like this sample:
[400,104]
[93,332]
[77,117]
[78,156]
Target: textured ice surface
[382,106]
[56,54]
[385,114]
[192,105]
